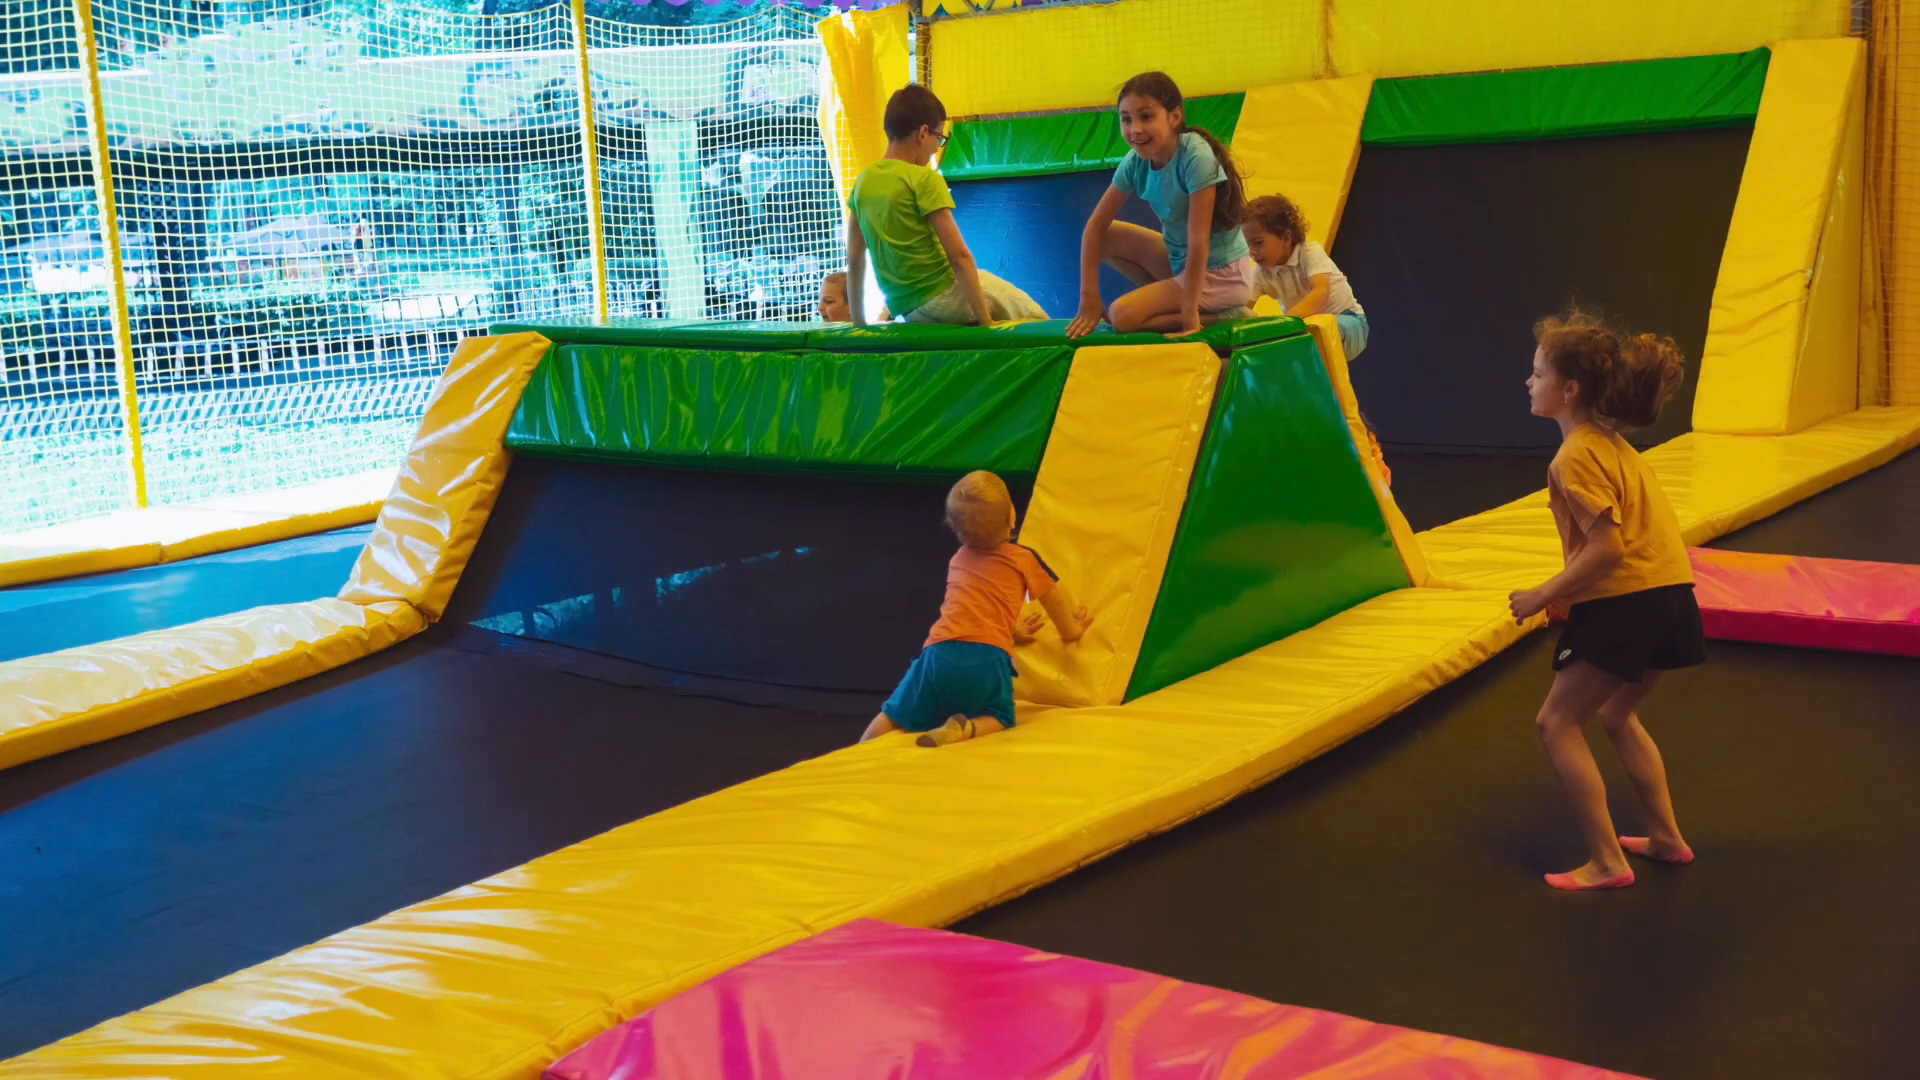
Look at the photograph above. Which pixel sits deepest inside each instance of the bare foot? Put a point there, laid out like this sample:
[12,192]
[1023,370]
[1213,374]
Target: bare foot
[1593,876]
[1659,849]
[956,729]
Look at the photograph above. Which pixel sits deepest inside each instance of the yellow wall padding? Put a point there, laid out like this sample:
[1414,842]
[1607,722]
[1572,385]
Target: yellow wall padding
[1419,37]
[867,53]
[1761,373]
[1826,381]
[1326,337]
[1077,57]
[498,979]
[165,534]
[1106,504]
[74,697]
[1302,140]
[1893,370]
[452,474]
[1717,483]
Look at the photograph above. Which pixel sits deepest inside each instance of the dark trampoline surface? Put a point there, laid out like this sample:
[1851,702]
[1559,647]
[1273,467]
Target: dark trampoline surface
[1397,877]
[1456,250]
[82,611]
[1434,489]
[149,864]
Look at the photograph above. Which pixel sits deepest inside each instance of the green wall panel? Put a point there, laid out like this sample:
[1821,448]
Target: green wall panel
[1061,142]
[1557,103]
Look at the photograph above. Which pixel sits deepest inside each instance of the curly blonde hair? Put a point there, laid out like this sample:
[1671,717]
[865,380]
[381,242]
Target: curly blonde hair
[1624,378]
[980,511]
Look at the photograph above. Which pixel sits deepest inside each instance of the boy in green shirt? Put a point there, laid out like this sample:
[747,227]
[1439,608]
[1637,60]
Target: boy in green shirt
[902,213]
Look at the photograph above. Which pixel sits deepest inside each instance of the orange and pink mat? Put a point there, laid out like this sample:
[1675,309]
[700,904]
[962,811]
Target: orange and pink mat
[874,999]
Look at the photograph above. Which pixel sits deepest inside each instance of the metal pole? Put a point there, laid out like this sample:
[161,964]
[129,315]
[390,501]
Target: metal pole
[590,149]
[110,240]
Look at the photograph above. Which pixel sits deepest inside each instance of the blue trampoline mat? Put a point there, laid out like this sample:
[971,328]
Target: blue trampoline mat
[36,619]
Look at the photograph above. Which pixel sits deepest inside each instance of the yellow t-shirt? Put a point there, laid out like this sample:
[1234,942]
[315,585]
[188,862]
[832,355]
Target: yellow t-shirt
[1597,474]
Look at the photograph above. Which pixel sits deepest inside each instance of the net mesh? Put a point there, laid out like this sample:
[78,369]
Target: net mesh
[63,441]
[717,192]
[319,198]
[1892,374]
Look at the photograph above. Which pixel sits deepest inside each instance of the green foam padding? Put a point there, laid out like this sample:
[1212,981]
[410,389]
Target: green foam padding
[1061,142]
[886,337]
[1281,529]
[631,330]
[1558,103]
[912,414]
[881,337]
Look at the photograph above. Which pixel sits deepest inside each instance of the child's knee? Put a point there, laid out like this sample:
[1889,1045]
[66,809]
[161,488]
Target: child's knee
[1550,723]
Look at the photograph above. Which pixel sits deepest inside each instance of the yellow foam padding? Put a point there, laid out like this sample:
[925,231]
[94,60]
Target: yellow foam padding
[867,54]
[445,491]
[1106,504]
[1077,57]
[1391,38]
[75,697]
[1326,337]
[1717,483]
[1827,377]
[1302,140]
[498,979]
[1761,372]
[165,534]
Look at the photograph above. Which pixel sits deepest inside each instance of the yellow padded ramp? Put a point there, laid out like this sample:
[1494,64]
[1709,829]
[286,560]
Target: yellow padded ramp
[500,978]
[1076,57]
[1391,38]
[1326,337]
[1718,483]
[166,534]
[1302,140]
[1760,372]
[1106,504]
[452,474]
[74,697]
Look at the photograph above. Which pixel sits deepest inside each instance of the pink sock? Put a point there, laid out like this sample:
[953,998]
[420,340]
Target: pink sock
[1643,847]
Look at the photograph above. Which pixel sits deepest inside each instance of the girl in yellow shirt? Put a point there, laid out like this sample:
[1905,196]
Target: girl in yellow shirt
[1627,589]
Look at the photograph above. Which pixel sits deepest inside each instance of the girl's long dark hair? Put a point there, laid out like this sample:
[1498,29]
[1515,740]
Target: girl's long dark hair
[1230,203]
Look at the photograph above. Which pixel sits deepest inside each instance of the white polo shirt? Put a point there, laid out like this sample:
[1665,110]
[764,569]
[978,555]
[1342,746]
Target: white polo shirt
[1292,280]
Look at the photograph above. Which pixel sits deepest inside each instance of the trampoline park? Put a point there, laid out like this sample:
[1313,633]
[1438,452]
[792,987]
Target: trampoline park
[544,765]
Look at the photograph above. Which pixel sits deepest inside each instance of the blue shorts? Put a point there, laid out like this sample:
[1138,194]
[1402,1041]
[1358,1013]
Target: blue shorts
[1353,333]
[953,678]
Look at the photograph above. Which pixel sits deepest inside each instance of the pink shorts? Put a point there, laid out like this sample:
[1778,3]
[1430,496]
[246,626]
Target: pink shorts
[1228,286]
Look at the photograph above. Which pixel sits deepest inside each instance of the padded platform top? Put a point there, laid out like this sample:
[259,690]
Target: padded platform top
[883,337]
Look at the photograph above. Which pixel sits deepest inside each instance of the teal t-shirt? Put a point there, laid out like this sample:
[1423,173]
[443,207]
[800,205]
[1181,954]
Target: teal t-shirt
[891,200]
[1168,189]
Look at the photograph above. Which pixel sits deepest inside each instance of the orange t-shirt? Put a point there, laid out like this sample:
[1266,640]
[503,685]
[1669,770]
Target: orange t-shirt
[1597,474]
[985,591]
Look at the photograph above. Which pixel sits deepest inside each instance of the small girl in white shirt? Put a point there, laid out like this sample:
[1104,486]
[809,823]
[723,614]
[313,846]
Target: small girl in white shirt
[1296,271]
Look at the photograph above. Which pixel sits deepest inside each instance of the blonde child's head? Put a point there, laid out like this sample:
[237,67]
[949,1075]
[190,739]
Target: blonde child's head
[1274,227]
[980,511]
[833,298]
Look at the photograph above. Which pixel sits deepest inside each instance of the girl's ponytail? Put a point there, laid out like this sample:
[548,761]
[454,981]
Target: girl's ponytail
[1230,202]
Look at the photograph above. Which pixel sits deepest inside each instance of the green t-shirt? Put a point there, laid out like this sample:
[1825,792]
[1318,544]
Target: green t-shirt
[891,200]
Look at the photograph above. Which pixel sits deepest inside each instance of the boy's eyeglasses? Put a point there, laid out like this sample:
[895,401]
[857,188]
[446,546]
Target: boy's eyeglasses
[940,140]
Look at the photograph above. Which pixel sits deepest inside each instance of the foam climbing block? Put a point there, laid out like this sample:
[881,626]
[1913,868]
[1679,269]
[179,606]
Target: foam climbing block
[1106,504]
[1282,526]
[1816,603]
[452,474]
[873,999]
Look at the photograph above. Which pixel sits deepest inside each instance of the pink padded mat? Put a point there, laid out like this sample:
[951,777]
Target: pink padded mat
[1818,603]
[875,1000]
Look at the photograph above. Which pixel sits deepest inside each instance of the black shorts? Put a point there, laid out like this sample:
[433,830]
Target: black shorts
[1627,636]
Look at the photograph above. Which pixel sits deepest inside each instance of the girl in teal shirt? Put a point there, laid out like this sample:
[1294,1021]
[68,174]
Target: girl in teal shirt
[1197,264]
